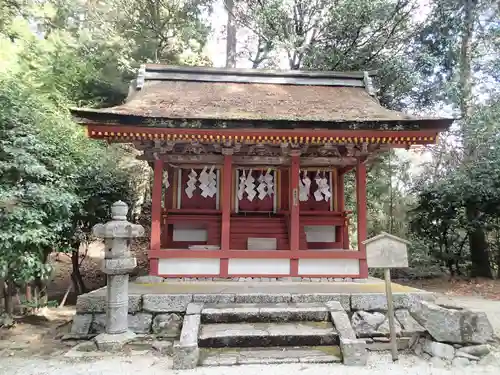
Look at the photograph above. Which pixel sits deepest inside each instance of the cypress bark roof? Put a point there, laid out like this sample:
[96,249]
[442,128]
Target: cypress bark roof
[162,92]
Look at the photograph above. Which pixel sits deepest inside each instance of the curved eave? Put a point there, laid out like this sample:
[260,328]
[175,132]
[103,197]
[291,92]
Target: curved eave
[268,136]
[98,117]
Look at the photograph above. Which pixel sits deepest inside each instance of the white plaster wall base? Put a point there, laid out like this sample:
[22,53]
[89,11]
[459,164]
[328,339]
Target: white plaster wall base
[189,266]
[328,267]
[269,266]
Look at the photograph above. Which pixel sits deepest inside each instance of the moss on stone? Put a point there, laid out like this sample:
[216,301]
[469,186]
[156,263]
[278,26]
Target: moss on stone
[320,324]
[330,350]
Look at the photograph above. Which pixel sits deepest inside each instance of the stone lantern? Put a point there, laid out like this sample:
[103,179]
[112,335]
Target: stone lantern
[118,263]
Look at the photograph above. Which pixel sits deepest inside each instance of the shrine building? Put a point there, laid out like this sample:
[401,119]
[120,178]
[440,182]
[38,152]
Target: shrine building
[249,166]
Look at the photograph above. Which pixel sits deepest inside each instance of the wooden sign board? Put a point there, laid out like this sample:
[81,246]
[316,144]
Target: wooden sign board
[386,251]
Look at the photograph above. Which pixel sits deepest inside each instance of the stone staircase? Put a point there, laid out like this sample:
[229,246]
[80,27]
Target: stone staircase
[230,334]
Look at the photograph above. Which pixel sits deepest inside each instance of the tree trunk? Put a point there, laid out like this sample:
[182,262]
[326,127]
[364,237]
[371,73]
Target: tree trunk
[478,243]
[479,249]
[76,276]
[231,35]
[76,284]
[43,298]
[466,61]
[7,297]
[449,265]
[498,263]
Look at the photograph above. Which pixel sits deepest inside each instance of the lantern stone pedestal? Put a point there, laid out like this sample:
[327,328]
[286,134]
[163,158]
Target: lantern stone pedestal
[117,265]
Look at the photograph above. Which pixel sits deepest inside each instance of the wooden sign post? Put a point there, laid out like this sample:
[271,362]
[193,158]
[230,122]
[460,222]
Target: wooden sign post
[387,251]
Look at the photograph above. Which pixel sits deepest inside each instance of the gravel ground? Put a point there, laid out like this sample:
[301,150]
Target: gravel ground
[379,364]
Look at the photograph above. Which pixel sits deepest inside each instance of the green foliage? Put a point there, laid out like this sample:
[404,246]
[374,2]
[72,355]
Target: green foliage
[55,184]
[440,216]
[335,35]
[36,196]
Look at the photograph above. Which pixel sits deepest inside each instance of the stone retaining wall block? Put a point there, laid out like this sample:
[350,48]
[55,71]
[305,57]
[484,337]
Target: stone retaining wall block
[164,303]
[354,352]
[81,324]
[186,353]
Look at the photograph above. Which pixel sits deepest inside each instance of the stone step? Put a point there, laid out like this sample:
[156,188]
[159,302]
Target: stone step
[245,335]
[250,356]
[275,312]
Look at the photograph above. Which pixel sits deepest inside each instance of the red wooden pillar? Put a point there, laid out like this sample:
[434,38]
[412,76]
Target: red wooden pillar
[156,214]
[341,208]
[226,210]
[294,211]
[167,202]
[362,216]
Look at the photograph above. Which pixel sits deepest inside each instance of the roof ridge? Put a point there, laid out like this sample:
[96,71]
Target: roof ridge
[154,72]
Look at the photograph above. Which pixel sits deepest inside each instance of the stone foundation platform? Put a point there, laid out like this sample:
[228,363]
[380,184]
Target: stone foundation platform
[158,307]
[224,323]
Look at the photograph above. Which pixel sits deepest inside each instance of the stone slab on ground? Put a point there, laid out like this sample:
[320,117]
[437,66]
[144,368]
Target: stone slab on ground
[489,307]
[354,352]
[158,303]
[438,349]
[402,343]
[267,334]
[228,357]
[167,325]
[341,322]
[185,356]
[140,322]
[263,298]
[95,302]
[468,356]
[98,323]
[113,342]
[279,312]
[408,324]
[384,327]
[334,306]
[148,279]
[194,308]
[186,352]
[378,301]
[366,323]
[343,298]
[475,350]
[137,323]
[214,298]
[81,324]
[460,326]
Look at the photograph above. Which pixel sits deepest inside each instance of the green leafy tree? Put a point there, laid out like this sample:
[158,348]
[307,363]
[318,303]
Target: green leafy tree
[36,195]
[456,51]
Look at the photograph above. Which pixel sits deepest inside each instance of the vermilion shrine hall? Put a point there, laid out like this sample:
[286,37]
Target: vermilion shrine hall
[249,166]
